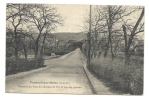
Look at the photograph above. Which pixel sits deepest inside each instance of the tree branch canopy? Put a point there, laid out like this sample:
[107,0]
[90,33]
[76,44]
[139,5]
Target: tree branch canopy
[138,22]
[35,18]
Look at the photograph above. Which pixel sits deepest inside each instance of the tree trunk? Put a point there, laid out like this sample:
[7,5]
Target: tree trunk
[41,52]
[127,44]
[135,28]
[127,58]
[16,43]
[106,49]
[37,45]
[25,52]
[24,49]
[110,41]
[110,32]
[36,49]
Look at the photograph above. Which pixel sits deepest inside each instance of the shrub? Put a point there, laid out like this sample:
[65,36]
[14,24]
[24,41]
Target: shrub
[21,65]
[128,79]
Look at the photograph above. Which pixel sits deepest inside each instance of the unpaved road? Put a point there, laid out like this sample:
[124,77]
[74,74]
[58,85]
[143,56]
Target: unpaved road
[62,75]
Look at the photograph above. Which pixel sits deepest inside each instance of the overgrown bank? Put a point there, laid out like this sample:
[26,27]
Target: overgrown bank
[119,77]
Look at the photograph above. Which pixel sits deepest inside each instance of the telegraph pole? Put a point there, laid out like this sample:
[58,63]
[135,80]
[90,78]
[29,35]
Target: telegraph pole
[55,44]
[89,40]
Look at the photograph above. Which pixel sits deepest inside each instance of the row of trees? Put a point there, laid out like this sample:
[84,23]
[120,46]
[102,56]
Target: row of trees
[28,26]
[114,38]
[123,22]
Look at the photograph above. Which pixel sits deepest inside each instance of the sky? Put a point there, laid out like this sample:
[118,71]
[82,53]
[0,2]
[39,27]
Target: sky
[73,17]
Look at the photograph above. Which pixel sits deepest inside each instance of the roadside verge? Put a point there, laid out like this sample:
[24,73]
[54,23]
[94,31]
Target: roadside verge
[99,87]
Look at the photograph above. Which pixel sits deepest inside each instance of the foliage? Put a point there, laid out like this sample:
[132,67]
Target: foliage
[15,66]
[128,79]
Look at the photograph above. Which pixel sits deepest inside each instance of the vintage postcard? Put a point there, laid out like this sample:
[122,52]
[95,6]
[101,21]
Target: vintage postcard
[74,49]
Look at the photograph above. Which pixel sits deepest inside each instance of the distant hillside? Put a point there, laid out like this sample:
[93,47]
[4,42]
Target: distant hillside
[70,36]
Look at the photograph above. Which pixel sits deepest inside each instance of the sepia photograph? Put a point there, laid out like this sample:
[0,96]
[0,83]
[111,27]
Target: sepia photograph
[74,49]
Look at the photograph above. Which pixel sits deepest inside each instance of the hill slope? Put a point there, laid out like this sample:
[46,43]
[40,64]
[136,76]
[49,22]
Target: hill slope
[70,36]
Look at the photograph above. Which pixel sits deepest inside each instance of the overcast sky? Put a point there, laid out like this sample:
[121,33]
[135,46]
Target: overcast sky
[74,17]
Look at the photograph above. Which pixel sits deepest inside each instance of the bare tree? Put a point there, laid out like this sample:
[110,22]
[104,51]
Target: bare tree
[43,17]
[112,19]
[15,13]
[111,23]
[98,28]
[48,31]
[135,30]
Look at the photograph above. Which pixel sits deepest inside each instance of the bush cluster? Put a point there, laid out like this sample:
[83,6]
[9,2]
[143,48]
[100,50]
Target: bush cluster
[20,65]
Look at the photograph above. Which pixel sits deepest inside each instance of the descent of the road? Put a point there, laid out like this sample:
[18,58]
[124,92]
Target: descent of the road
[62,75]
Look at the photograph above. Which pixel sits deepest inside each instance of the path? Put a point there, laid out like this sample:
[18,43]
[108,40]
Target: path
[66,74]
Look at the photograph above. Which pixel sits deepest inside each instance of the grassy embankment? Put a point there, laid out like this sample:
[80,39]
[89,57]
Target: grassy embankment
[119,77]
